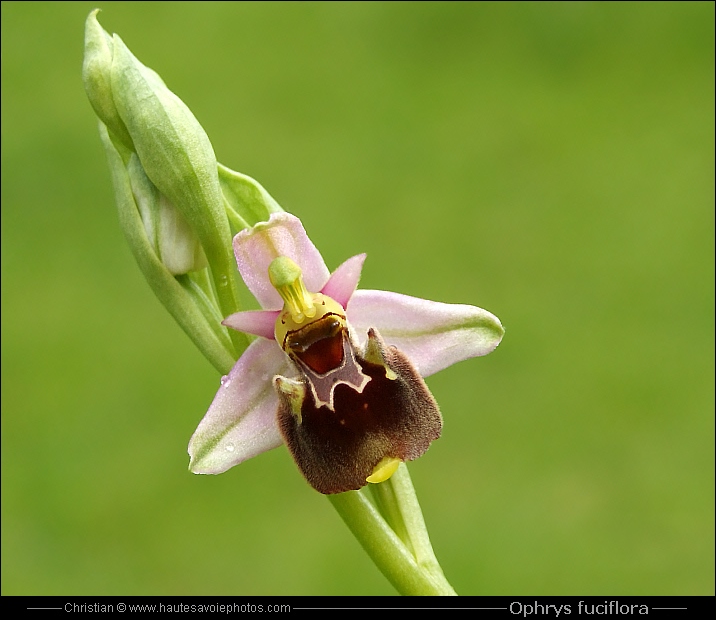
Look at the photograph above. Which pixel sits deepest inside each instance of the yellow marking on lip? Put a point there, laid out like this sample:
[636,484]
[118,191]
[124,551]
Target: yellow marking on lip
[385,468]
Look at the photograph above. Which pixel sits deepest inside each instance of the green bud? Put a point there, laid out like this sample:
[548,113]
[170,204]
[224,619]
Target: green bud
[179,247]
[169,233]
[178,158]
[146,196]
[187,219]
[174,149]
[97,78]
[167,229]
[179,294]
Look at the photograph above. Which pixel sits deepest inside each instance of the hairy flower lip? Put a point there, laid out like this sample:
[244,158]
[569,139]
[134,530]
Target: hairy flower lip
[241,421]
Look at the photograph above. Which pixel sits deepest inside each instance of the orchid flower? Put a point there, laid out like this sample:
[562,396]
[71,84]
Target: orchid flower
[335,373]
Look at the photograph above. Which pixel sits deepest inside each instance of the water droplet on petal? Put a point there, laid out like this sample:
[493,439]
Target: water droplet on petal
[230,447]
[225,380]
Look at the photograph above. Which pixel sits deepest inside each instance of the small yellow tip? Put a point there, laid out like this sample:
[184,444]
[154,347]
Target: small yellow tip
[384,469]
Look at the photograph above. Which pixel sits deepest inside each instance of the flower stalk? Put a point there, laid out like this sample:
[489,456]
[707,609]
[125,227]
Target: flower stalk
[392,531]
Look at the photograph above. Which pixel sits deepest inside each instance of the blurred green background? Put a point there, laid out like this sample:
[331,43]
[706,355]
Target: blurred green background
[551,162]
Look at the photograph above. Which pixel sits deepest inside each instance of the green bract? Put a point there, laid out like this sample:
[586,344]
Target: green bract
[247,202]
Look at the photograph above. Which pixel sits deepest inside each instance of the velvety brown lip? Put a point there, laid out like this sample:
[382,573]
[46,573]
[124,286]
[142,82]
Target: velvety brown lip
[337,449]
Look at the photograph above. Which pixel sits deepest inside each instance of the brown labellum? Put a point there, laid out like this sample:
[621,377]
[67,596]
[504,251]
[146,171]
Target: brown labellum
[339,423]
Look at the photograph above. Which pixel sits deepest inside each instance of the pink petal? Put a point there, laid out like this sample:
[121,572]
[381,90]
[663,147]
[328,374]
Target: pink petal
[344,280]
[241,422]
[433,335]
[257,322]
[282,235]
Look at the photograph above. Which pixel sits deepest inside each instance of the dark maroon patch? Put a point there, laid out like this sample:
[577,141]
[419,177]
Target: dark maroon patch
[337,450]
[319,345]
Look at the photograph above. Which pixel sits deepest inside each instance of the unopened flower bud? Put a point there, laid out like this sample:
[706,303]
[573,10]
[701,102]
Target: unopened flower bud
[145,119]
[171,237]
[97,79]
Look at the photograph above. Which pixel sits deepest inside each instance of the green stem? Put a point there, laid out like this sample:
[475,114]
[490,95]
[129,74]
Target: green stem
[384,497]
[410,566]
[400,491]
